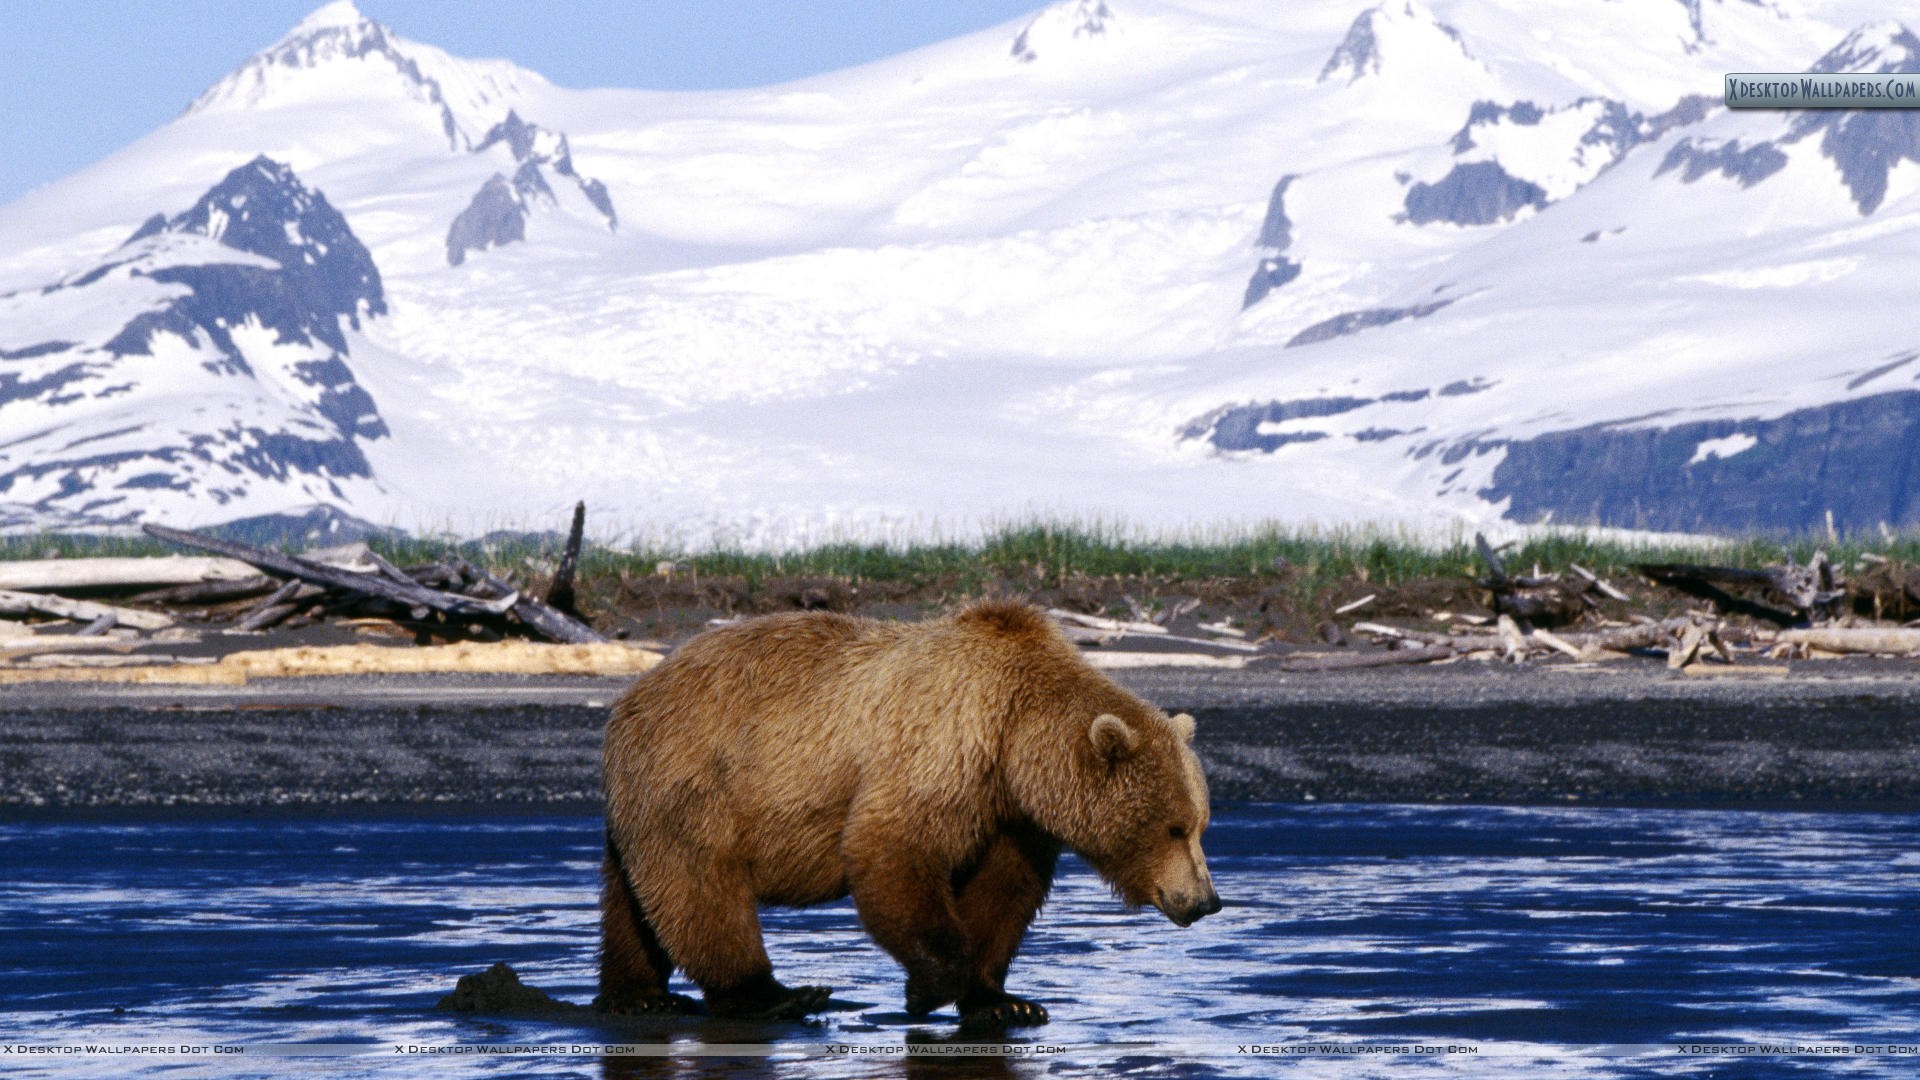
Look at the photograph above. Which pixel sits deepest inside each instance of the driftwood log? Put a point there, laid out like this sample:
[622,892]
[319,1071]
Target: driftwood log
[1888,640]
[393,585]
[557,625]
[1651,635]
[1801,593]
[26,603]
[560,595]
[1346,661]
[64,575]
[1534,599]
[409,594]
[213,592]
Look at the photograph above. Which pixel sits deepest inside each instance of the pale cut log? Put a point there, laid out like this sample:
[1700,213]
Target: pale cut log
[1126,660]
[1517,647]
[1356,605]
[1555,642]
[1684,653]
[1598,582]
[1345,661]
[1464,643]
[1095,622]
[1898,641]
[60,575]
[28,603]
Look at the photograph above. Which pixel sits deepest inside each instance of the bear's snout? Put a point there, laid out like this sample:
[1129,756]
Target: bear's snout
[1185,910]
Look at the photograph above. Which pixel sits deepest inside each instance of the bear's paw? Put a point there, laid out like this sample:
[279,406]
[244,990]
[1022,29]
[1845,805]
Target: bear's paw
[982,1011]
[644,1004]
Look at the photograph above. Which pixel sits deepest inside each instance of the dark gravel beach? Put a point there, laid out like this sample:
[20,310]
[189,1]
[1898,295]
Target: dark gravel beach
[1834,734]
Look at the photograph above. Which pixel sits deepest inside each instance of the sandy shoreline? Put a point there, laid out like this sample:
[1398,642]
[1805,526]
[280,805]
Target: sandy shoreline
[1832,735]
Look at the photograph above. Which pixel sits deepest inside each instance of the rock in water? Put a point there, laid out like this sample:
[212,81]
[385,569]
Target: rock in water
[498,991]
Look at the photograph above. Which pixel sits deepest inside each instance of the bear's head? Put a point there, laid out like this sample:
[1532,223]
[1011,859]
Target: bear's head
[1136,809]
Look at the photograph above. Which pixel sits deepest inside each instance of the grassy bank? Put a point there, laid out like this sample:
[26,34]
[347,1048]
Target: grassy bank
[1047,554]
[1284,582]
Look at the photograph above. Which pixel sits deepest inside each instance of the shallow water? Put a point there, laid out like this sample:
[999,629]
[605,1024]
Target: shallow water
[1543,938]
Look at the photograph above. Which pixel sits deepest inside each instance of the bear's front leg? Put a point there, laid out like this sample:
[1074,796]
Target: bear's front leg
[997,902]
[908,908]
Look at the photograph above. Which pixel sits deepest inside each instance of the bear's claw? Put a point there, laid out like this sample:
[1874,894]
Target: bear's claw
[642,1005]
[1002,1011]
[770,1001]
[800,1002]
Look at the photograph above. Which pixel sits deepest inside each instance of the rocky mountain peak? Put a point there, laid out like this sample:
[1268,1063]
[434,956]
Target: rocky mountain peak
[1397,27]
[1885,47]
[338,53]
[1060,24]
[264,209]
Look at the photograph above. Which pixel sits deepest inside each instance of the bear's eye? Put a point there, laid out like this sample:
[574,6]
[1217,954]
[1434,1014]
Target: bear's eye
[1178,832]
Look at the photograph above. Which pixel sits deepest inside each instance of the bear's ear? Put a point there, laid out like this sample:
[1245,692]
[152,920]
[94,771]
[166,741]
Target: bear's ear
[1112,738]
[1183,727]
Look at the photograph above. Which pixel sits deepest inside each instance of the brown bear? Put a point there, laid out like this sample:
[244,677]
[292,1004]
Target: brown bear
[933,770]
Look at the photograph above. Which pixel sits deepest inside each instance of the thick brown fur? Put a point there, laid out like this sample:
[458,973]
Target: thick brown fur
[933,770]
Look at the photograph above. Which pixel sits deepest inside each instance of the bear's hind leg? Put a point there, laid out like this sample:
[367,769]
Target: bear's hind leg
[996,905]
[708,920]
[634,968]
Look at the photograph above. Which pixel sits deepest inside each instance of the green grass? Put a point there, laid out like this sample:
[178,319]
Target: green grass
[1039,555]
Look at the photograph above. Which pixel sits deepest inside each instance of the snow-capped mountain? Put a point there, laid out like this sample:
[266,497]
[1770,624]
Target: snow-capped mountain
[1170,261]
[202,363]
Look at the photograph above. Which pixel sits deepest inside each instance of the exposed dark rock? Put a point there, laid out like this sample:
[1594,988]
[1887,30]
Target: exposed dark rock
[515,132]
[361,40]
[1855,458]
[1359,51]
[1696,158]
[495,217]
[44,348]
[320,276]
[1269,275]
[1354,321]
[1492,112]
[1687,111]
[1463,387]
[1276,232]
[1089,17]
[263,208]
[596,193]
[498,213]
[1866,144]
[1475,193]
[19,388]
[1237,427]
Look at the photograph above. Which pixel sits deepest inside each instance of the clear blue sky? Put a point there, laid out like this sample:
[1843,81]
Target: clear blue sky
[81,78]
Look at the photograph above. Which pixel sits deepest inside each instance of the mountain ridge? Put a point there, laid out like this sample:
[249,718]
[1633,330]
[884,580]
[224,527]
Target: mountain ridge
[1109,277]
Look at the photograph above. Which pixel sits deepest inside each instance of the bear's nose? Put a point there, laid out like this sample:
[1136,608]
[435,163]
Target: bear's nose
[1207,906]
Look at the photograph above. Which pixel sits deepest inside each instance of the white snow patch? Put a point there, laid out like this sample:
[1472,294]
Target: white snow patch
[1724,447]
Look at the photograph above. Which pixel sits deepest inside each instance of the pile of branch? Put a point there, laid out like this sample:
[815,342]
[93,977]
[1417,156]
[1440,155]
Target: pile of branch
[1551,599]
[1684,640]
[1789,595]
[123,603]
[451,597]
